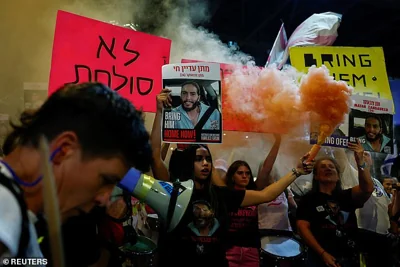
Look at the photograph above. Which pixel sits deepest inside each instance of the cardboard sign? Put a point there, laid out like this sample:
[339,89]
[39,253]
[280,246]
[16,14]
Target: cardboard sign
[127,61]
[362,68]
[225,69]
[195,116]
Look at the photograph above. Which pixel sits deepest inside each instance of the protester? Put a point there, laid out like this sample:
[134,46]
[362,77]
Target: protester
[94,136]
[184,245]
[326,217]
[374,225]
[243,239]
[273,217]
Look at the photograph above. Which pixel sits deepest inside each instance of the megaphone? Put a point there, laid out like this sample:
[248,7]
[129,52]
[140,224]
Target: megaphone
[157,194]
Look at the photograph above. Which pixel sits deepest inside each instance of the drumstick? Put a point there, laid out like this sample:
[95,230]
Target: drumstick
[51,207]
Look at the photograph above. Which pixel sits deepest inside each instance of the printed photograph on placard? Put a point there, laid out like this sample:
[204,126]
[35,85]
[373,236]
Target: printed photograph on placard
[195,115]
[371,121]
[339,138]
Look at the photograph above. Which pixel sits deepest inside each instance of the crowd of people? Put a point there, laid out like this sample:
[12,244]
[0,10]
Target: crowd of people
[95,136]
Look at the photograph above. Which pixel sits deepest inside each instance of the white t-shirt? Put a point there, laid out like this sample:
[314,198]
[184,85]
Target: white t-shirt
[10,224]
[374,215]
[274,214]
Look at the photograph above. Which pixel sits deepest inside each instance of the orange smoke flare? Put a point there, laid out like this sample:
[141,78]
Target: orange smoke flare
[313,152]
[324,131]
[262,100]
[329,99]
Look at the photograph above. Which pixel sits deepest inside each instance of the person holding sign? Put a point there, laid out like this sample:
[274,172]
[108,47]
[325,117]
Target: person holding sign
[183,246]
[374,140]
[374,224]
[192,110]
[326,218]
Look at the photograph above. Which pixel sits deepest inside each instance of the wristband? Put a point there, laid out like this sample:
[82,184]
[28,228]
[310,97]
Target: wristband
[296,172]
[322,253]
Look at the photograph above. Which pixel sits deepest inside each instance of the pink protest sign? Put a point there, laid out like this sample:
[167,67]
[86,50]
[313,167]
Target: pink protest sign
[127,61]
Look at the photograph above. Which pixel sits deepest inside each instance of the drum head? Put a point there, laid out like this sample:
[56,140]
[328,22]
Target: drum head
[281,246]
[143,246]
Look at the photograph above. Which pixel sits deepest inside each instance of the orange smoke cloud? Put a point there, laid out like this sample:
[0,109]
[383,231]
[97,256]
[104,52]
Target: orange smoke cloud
[327,98]
[262,100]
[272,101]
[321,94]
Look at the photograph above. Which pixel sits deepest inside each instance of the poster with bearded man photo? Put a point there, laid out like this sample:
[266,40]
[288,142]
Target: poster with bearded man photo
[371,121]
[195,98]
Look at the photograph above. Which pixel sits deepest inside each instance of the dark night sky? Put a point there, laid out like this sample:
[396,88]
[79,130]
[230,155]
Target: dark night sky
[254,24]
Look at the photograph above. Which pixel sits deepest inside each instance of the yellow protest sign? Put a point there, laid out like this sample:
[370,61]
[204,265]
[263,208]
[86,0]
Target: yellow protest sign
[361,67]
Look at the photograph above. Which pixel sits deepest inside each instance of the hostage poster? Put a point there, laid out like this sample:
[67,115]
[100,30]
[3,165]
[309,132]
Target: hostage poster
[371,121]
[195,115]
[339,138]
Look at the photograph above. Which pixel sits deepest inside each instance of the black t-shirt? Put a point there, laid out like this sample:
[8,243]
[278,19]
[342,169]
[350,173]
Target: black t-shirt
[332,220]
[243,228]
[199,238]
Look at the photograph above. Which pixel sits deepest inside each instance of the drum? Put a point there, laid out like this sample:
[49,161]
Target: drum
[153,222]
[153,225]
[140,254]
[281,251]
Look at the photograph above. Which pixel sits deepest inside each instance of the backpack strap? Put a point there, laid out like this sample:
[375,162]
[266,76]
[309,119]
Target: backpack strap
[16,190]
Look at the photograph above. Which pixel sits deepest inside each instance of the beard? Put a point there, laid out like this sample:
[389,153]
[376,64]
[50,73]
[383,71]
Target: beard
[195,105]
[377,137]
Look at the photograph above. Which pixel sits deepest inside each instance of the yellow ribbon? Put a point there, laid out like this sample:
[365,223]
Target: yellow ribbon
[40,239]
[147,184]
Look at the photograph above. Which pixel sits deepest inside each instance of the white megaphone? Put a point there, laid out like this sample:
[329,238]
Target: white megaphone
[157,194]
